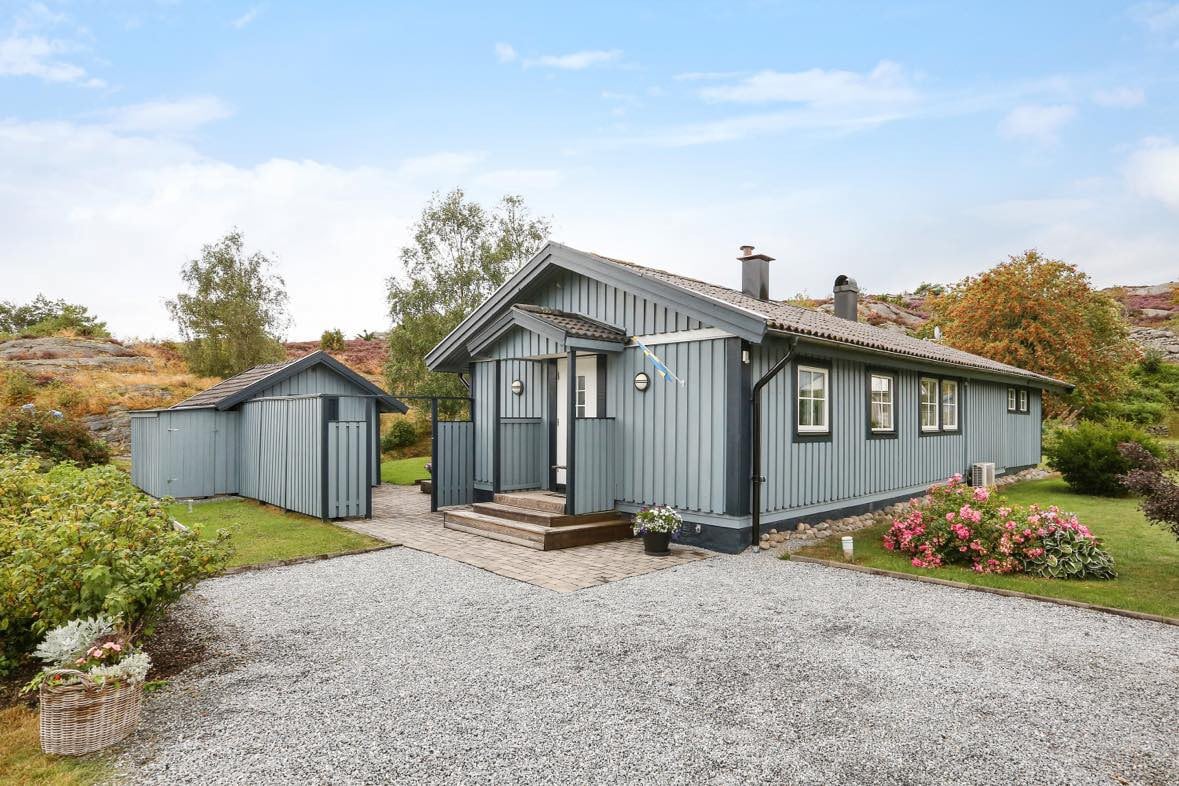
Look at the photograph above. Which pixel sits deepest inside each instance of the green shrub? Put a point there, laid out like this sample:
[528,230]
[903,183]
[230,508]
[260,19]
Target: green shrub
[401,434]
[1087,455]
[16,387]
[50,436]
[82,542]
[332,341]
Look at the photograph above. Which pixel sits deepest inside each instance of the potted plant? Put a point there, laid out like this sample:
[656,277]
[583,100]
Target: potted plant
[658,526]
[91,686]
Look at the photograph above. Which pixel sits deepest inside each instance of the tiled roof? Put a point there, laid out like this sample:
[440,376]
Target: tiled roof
[817,324]
[574,325]
[213,396]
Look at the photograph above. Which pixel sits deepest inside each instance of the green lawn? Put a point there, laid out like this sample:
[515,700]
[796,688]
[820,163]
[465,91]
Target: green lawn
[403,472]
[1147,556]
[23,764]
[264,534]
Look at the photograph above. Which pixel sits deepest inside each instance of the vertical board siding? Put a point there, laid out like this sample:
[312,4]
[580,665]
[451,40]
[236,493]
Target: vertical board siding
[530,403]
[523,445]
[281,453]
[453,471]
[146,469]
[313,381]
[670,445]
[568,291]
[595,486]
[522,343]
[347,454]
[851,465]
[482,389]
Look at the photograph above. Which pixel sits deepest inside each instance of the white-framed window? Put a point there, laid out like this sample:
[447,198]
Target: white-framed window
[814,405]
[929,405]
[581,395]
[882,414]
[1011,406]
[949,405]
[1023,400]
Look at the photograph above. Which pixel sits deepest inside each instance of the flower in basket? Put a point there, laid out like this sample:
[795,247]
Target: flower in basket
[658,519]
[95,648]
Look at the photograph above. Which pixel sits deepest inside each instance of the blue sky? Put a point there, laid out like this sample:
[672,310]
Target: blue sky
[895,142]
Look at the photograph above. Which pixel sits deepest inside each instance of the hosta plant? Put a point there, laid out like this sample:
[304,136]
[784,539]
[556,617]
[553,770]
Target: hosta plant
[957,524]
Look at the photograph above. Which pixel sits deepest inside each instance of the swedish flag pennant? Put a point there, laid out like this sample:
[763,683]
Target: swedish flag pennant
[660,367]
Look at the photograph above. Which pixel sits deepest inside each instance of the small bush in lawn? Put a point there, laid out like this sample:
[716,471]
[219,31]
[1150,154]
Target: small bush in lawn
[82,542]
[1160,494]
[401,434]
[50,436]
[957,524]
[1087,455]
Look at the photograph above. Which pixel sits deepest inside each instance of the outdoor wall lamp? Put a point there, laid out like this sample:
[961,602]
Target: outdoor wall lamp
[517,387]
[642,382]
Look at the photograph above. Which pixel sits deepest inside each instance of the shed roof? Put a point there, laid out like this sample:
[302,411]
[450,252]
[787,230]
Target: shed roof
[228,393]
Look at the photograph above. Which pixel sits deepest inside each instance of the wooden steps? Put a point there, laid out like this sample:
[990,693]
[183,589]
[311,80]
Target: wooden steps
[536,520]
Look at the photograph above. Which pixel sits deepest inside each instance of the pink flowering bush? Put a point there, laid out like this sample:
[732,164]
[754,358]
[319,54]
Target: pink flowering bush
[957,524]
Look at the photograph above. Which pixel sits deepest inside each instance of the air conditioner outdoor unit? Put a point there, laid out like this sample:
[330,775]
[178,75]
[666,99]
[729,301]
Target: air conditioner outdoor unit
[982,473]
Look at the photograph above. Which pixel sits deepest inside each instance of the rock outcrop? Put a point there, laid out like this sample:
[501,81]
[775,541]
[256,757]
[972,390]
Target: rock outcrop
[1158,339]
[58,355]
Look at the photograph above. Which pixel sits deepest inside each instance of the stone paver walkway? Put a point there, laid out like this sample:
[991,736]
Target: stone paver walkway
[401,515]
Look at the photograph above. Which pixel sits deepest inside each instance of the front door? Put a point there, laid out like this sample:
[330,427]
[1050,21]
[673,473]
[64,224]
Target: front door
[587,402]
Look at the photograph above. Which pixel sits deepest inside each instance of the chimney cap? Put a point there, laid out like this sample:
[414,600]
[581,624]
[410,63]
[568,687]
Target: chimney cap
[846,283]
[747,254]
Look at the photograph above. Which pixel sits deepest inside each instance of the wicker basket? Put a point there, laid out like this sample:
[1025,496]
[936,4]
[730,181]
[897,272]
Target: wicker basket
[85,717]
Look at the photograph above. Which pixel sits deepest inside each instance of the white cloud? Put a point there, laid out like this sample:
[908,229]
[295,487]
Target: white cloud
[444,164]
[107,217]
[169,116]
[1158,17]
[1153,171]
[1120,97]
[246,18]
[41,57]
[575,61]
[886,84]
[505,53]
[1037,122]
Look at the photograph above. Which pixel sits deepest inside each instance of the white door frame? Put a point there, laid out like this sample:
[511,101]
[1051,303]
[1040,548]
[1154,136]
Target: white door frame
[587,378]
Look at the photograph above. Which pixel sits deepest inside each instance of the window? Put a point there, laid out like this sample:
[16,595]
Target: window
[1011,400]
[949,405]
[1023,400]
[881,415]
[929,404]
[813,404]
[581,395]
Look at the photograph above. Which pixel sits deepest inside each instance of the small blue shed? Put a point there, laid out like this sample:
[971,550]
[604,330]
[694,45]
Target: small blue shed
[302,435]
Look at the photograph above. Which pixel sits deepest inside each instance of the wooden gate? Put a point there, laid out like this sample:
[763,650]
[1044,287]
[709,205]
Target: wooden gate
[348,467]
[453,464]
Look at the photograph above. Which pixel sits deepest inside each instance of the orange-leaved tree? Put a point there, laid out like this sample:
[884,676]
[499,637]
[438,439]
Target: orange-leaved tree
[1043,315]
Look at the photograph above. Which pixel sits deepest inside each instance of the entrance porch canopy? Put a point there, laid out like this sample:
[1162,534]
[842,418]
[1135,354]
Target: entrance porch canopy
[572,331]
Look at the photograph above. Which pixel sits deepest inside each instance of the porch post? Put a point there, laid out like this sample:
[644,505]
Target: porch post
[571,433]
[495,434]
[435,467]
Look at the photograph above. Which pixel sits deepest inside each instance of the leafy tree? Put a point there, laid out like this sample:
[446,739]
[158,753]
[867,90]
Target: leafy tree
[44,317]
[461,252]
[332,340]
[1041,314]
[234,312]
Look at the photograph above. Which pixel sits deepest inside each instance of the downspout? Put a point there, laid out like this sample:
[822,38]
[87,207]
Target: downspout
[757,479]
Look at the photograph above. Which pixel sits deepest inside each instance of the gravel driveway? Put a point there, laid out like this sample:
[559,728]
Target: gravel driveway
[399,667]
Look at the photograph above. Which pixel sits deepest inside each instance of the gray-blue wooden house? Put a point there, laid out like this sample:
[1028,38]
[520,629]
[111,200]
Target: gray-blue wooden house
[302,435]
[771,413]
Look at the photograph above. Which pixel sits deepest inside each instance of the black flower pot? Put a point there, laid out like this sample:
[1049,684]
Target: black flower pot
[657,543]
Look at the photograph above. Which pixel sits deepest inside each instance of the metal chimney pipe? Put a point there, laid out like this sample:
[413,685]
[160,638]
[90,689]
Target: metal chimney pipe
[847,298]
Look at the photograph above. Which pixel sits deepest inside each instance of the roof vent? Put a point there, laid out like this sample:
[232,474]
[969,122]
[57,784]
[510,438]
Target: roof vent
[847,298]
[755,273]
